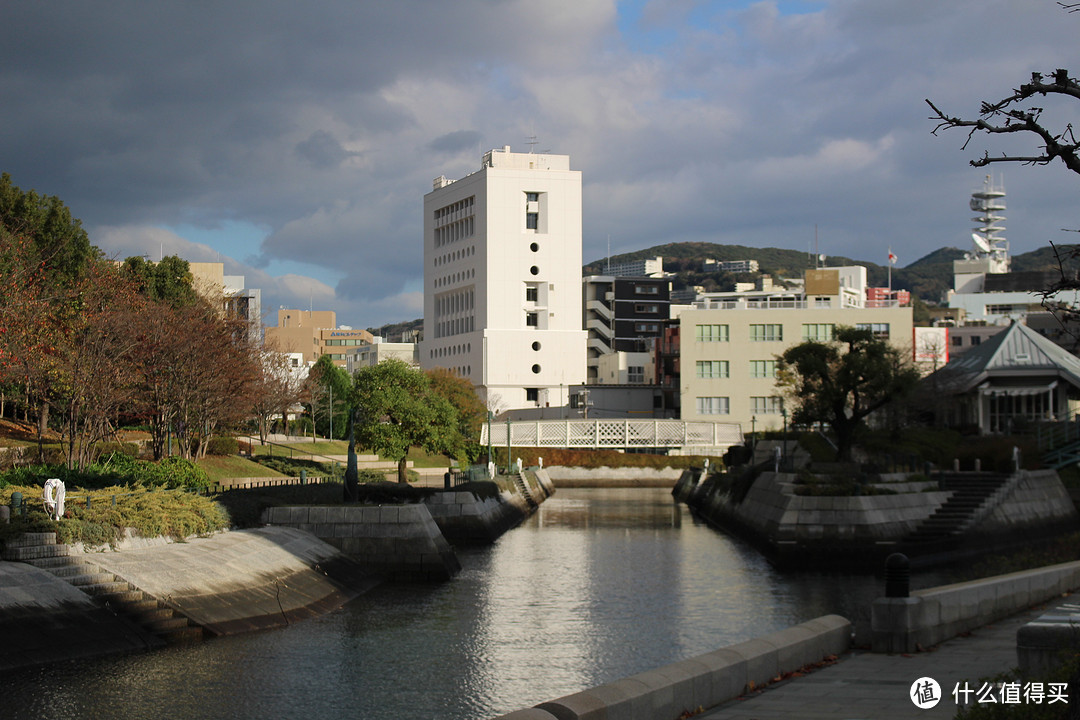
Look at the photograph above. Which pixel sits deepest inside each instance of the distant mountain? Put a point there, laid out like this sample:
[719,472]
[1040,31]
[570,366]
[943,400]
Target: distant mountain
[392,332]
[928,278]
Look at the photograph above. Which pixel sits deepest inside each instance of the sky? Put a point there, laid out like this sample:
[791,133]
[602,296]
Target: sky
[294,142]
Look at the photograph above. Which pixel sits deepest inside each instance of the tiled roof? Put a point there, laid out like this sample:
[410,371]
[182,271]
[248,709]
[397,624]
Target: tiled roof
[1014,354]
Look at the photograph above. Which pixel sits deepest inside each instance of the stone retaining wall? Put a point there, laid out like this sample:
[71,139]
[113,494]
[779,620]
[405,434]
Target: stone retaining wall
[569,477]
[674,691]
[400,542]
[773,510]
[931,616]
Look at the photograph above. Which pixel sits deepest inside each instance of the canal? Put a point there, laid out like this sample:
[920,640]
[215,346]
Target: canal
[597,585]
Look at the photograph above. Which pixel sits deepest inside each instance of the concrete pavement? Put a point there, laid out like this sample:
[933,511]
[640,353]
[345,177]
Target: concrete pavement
[864,685]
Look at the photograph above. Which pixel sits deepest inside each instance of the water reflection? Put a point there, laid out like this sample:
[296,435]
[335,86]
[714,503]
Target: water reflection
[599,584]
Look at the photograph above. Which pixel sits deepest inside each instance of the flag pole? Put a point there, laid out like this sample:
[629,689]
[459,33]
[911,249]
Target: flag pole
[890,269]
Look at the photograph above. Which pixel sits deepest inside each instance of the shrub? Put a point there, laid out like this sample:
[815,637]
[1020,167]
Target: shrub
[222,445]
[124,448]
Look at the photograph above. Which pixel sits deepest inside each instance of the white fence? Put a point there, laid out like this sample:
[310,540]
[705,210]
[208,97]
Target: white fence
[609,433]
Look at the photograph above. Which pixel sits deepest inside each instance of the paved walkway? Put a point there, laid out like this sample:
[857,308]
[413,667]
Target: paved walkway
[865,686]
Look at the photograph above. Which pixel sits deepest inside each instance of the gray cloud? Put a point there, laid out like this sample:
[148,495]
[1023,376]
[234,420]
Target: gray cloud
[325,123]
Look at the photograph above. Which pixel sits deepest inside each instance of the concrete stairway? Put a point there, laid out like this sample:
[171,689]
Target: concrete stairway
[969,492]
[42,551]
[523,488]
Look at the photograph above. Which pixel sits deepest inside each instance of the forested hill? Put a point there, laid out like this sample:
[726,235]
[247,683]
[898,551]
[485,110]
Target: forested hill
[928,277]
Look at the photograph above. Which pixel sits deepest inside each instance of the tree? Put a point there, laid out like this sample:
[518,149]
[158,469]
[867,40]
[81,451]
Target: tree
[461,393]
[396,409]
[332,384]
[169,282]
[1006,116]
[844,381]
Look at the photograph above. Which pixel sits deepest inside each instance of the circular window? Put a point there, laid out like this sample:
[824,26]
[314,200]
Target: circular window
[534,270]
[534,247]
[536,369]
[536,346]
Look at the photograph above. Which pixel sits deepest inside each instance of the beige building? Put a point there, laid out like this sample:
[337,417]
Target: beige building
[729,347]
[315,333]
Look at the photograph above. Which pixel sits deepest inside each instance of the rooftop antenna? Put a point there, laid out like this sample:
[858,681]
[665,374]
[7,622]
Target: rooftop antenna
[532,142]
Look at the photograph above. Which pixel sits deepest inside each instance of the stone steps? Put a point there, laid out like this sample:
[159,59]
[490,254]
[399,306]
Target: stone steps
[42,551]
[969,493]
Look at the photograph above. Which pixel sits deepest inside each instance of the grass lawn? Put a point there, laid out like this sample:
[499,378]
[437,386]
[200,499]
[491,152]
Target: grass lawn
[219,467]
[321,447]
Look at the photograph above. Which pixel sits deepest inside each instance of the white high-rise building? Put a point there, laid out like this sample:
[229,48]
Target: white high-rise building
[502,279]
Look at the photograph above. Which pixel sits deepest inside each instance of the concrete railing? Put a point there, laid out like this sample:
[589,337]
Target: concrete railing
[936,614]
[669,692]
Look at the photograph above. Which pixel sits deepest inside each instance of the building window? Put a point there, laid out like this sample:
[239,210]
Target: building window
[711,369]
[646,290]
[879,330]
[646,328]
[532,211]
[635,374]
[712,333]
[976,340]
[772,405]
[957,340]
[767,333]
[762,368]
[532,394]
[713,406]
[531,319]
[818,332]
[532,293]
[643,308]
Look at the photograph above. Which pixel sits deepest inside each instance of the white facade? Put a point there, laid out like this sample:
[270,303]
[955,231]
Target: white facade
[502,278]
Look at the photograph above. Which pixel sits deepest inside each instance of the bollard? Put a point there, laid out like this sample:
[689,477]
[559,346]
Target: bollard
[303,477]
[446,480]
[17,507]
[87,502]
[978,464]
[897,576]
[114,501]
[956,464]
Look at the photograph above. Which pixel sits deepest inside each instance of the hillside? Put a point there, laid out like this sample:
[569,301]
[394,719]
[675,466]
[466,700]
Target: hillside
[928,278]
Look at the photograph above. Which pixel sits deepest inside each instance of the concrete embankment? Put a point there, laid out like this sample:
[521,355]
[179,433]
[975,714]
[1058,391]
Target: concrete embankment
[230,582]
[623,477]
[863,530]
[412,541]
[680,689]
[44,620]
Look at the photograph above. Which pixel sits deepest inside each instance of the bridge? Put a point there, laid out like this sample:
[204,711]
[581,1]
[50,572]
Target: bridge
[609,433]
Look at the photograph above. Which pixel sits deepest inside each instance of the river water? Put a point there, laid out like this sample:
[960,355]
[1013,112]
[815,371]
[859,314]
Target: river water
[597,585]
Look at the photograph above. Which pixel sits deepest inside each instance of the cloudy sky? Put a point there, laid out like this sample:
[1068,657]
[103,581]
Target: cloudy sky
[295,141]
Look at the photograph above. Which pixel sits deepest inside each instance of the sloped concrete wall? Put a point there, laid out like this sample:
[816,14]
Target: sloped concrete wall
[45,620]
[679,689]
[243,580]
[400,542]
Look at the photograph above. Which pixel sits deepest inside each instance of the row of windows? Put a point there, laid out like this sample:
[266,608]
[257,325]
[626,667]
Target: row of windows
[456,326]
[449,350]
[774,332]
[460,230]
[447,210]
[456,277]
[760,405]
[712,369]
[456,255]
[347,342]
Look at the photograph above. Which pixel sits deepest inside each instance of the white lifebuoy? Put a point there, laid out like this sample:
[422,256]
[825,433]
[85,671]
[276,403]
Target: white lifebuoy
[53,495]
